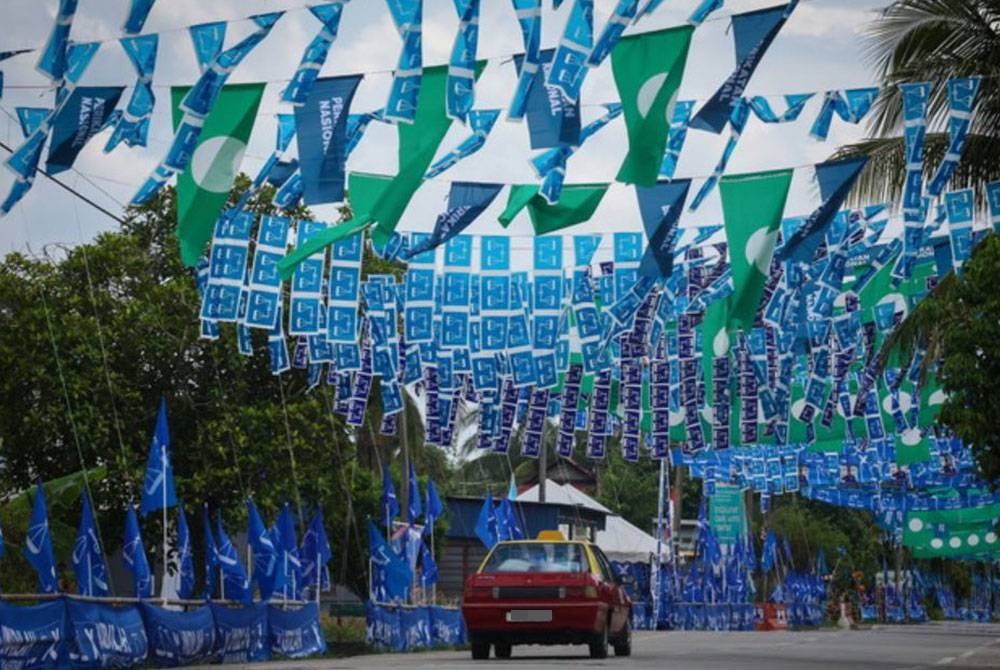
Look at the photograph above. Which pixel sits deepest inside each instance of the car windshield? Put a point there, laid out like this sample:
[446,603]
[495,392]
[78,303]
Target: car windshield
[537,557]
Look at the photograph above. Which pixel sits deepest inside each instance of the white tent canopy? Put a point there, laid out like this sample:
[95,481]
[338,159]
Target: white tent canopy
[620,540]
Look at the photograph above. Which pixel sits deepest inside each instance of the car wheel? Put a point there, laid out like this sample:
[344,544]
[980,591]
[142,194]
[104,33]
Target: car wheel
[480,651]
[599,647]
[502,650]
[623,645]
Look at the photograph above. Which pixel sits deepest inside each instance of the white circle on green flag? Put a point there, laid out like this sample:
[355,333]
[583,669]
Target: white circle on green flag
[720,345]
[647,92]
[991,537]
[955,542]
[215,162]
[937,398]
[759,249]
[911,437]
[936,543]
[916,525]
[973,540]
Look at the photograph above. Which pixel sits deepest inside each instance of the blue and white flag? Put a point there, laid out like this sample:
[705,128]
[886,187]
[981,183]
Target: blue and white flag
[993,199]
[342,294]
[134,556]
[794,104]
[315,554]
[185,556]
[753,33]
[53,61]
[624,14]
[551,165]
[289,561]
[31,118]
[321,125]
[529,16]
[851,106]
[132,126]
[357,124]
[414,508]
[660,208]
[962,95]
[265,555]
[915,101]
[158,485]
[481,122]
[836,178]
[703,10]
[390,574]
[675,139]
[38,545]
[235,585]
[737,122]
[961,207]
[569,65]
[299,88]
[461,83]
[553,119]
[389,501]
[405,90]
[138,12]
[88,558]
[428,567]
[264,297]
[466,201]
[486,525]
[207,39]
[211,554]
[434,508]
[80,117]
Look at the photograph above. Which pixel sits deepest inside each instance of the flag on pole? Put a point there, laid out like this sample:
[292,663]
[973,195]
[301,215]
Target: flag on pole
[413,507]
[265,555]
[38,545]
[434,507]
[289,562]
[211,554]
[134,555]
[185,556]
[158,486]
[88,559]
[390,504]
[315,554]
[486,524]
[390,574]
[235,584]
[428,567]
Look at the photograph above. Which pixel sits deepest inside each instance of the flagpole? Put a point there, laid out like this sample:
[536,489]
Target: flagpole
[434,586]
[319,576]
[657,595]
[163,459]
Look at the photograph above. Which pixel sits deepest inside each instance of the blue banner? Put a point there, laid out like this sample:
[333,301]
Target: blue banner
[569,65]
[106,637]
[447,626]
[851,107]
[132,126]
[529,16]
[81,117]
[53,61]
[405,90]
[241,633]
[553,119]
[660,208]
[207,39]
[300,87]
[462,65]
[321,124]
[382,628]
[415,625]
[179,638]
[466,201]
[295,633]
[33,636]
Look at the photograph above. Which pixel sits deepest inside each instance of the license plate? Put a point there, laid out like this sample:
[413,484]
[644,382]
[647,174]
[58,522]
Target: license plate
[529,616]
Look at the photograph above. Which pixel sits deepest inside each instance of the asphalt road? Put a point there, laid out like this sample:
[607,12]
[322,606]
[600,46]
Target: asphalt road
[950,645]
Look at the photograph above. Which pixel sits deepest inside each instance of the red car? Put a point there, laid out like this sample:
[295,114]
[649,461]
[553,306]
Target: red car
[546,591]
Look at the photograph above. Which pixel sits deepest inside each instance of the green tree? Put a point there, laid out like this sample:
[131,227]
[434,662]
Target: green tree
[931,40]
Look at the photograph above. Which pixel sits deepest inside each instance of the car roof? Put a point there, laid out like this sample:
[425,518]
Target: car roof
[536,541]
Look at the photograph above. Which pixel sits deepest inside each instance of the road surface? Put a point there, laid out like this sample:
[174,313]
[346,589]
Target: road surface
[950,645]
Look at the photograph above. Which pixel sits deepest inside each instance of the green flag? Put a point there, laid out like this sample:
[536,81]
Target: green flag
[648,70]
[203,188]
[576,205]
[959,533]
[752,205]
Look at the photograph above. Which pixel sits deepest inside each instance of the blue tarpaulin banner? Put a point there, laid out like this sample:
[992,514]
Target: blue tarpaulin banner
[179,638]
[104,636]
[241,633]
[34,636]
[382,627]
[295,633]
[394,628]
[415,623]
[447,626]
[321,125]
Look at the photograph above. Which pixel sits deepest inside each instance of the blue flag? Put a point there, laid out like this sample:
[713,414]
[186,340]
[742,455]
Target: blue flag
[486,524]
[769,552]
[414,509]
[134,555]
[88,559]
[137,14]
[434,507]
[660,208]
[428,567]
[211,554]
[38,545]
[132,125]
[315,554]
[3,547]
[507,525]
[553,119]
[321,125]
[569,65]
[53,61]
[81,117]
[390,504]
[235,585]
[466,201]
[512,489]
[753,33]
[289,563]
[405,89]
[390,574]
[462,64]
[185,556]
[265,554]
[299,89]
[158,485]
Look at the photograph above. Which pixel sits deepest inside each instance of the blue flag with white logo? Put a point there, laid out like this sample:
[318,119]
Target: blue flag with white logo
[486,524]
[81,117]
[289,561]
[211,554]
[481,122]
[265,555]
[134,555]
[38,545]
[207,40]
[390,503]
[235,585]
[660,208]
[390,573]
[315,553]
[88,559]
[405,90]
[53,61]
[137,13]
[553,119]
[300,87]
[132,125]
[529,16]
[414,508]
[158,485]
[461,84]
[321,125]
[466,201]
[428,567]
[434,507]
[569,65]
[185,556]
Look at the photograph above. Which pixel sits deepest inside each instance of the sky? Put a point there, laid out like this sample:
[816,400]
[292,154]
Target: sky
[821,48]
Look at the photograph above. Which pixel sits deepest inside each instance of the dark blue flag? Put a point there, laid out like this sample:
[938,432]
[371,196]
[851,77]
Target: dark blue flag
[79,119]
[553,119]
[289,563]
[390,574]
[158,486]
[434,507]
[134,555]
[265,554]
[321,125]
[235,585]
[390,504]
[428,568]
[753,33]
[486,524]
[38,545]
[413,507]
[660,207]
[88,558]
[315,554]
[137,13]
[769,552]
[211,552]
[185,556]
[836,178]
[3,547]
[466,201]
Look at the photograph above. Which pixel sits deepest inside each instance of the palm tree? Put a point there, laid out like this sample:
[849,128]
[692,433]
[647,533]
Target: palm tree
[931,40]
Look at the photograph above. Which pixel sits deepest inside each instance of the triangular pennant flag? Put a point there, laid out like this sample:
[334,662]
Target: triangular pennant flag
[577,204]
[466,201]
[660,208]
